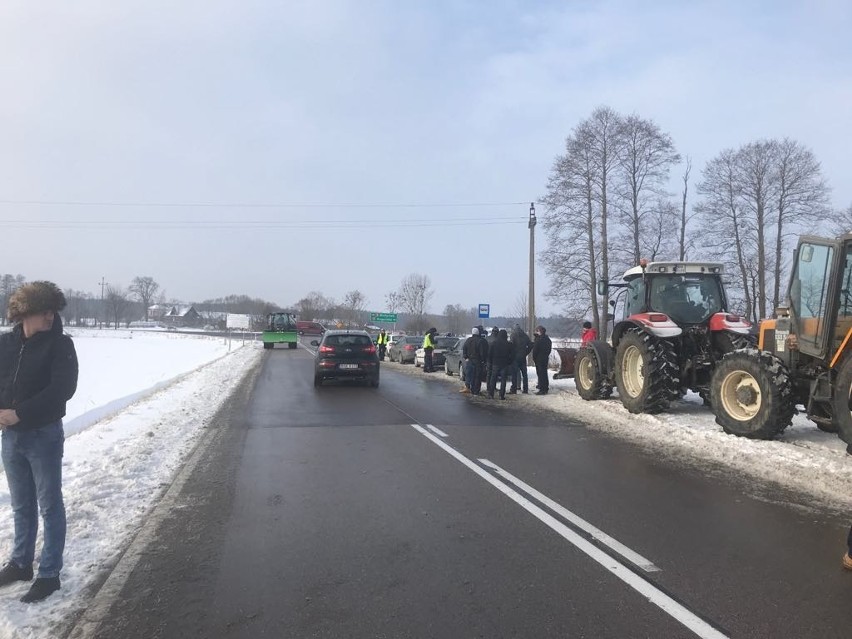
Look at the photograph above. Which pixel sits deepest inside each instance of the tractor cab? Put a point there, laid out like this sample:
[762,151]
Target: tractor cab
[687,292]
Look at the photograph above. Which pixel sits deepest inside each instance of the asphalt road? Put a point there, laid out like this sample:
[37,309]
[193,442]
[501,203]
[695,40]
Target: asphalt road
[413,511]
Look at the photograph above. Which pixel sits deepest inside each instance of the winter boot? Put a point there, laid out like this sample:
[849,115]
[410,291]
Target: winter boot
[10,573]
[42,588]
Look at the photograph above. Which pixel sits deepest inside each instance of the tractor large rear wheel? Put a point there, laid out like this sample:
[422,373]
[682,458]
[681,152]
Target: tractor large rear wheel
[842,403]
[751,394]
[591,382]
[646,372]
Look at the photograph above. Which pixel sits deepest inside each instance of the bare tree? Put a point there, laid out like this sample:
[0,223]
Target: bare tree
[144,288]
[415,293]
[728,233]
[645,156]
[117,303]
[842,221]
[758,188]
[393,301]
[576,221]
[354,303]
[802,198]
[313,306]
[8,284]
[684,218]
[518,310]
[457,318]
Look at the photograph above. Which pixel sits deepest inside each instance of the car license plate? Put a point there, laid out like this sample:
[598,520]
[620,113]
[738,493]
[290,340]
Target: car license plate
[349,366]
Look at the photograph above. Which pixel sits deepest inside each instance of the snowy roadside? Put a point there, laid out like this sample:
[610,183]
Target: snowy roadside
[114,472]
[804,459]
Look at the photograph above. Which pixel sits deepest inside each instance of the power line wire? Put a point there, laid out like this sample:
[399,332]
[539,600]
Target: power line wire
[261,205]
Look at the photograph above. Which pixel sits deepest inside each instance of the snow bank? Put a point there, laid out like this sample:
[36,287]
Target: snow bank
[115,470]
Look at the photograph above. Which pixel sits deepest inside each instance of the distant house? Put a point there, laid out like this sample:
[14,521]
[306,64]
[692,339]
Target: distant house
[156,312]
[181,316]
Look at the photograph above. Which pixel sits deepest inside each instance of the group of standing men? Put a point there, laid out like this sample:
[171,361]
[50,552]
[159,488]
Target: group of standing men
[496,357]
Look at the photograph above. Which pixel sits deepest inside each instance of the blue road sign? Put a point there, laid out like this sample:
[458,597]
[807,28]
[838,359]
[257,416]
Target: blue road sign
[484,311]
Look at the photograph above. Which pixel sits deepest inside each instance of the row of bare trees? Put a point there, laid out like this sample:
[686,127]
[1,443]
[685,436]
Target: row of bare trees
[607,206]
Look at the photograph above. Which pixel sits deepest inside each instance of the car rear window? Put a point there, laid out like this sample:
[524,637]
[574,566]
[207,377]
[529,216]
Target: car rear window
[348,340]
[446,342]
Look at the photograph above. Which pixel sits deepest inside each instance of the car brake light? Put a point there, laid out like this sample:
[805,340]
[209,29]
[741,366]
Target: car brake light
[370,349]
[409,347]
[326,349]
[658,317]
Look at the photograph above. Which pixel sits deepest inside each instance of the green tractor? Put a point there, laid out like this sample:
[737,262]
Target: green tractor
[280,329]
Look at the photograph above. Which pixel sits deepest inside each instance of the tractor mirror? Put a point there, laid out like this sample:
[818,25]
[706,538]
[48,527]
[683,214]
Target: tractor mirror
[603,287]
[807,252]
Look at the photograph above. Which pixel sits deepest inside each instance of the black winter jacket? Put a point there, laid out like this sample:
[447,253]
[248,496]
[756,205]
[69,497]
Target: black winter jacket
[501,353]
[523,344]
[541,349]
[37,375]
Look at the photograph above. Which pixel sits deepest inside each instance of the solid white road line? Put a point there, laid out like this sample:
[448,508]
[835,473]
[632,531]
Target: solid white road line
[656,596]
[615,545]
[437,431]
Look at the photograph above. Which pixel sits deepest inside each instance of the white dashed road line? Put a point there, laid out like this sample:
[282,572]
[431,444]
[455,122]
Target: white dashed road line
[675,609]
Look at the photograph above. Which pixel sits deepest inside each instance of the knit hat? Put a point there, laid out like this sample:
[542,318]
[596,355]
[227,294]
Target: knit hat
[34,298]
[475,331]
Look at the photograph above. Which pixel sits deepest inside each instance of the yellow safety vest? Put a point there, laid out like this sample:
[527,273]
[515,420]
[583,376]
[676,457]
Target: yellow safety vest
[427,341]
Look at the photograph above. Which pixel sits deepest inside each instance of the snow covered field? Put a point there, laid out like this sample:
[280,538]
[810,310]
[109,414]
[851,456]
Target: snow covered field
[142,401]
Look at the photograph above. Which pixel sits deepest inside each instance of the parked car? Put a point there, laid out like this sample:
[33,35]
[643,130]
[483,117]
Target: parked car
[309,328]
[454,361]
[349,355]
[442,345]
[403,350]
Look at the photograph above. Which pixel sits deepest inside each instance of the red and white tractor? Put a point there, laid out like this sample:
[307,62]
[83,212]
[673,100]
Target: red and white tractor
[674,330]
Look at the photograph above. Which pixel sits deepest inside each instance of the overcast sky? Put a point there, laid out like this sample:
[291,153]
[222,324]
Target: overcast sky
[131,108]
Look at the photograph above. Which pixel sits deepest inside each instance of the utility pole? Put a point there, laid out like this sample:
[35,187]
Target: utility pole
[532,269]
[102,313]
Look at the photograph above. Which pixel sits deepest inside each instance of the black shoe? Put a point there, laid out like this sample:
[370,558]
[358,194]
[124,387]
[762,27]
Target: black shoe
[502,397]
[541,392]
[42,588]
[526,391]
[10,573]
[490,396]
[513,391]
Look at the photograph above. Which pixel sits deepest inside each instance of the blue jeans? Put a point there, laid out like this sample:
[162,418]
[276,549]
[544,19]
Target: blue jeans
[33,462]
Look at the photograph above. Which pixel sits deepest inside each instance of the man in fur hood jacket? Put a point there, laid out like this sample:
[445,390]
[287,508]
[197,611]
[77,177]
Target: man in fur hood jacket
[38,375]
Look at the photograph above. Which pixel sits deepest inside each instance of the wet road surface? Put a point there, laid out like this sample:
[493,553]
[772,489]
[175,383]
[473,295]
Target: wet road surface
[413,511]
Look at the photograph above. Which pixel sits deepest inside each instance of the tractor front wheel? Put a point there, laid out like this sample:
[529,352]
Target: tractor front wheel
[751,395]
[591,382]
[646,372]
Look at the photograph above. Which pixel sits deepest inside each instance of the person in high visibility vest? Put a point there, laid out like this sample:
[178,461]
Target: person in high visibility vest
[382,343]
[428,347]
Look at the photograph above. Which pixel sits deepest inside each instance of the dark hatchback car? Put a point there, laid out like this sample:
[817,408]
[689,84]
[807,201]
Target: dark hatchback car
[349,355]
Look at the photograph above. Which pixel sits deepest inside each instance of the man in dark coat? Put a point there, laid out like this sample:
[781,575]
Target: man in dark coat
[501,354]
[523,345]
[38,375]
[482,349]
[470,356]
[541,357]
